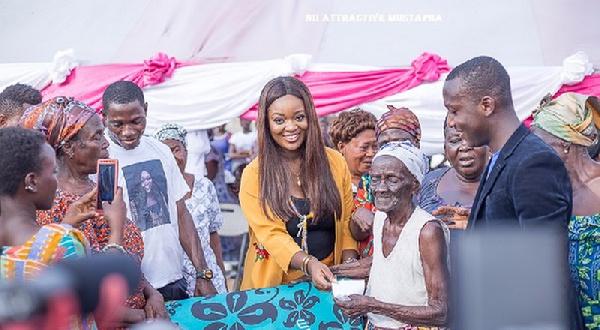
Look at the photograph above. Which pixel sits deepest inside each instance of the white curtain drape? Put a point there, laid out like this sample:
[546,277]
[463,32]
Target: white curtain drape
[38,75]
[205,96]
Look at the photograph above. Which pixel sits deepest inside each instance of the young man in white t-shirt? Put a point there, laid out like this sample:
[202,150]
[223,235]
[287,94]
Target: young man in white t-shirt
[153,189]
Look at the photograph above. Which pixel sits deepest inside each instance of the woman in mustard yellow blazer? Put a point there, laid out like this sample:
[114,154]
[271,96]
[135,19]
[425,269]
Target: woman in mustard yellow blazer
[296,195]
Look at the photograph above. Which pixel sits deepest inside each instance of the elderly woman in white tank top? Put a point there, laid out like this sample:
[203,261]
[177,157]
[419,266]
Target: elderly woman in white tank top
[408,279]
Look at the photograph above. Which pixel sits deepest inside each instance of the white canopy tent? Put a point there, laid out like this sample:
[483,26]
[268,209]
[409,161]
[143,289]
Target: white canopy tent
[530,37]
[379,33]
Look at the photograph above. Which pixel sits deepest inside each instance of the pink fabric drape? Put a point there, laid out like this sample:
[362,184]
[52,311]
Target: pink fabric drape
[590,85]
[336,91]
[87,83]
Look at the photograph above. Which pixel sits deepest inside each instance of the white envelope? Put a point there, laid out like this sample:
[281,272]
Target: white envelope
[345,287]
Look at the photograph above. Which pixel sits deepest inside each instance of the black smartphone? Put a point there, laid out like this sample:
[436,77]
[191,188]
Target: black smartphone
[106,181]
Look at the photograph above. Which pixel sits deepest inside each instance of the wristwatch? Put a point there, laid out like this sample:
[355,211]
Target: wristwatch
[205,274]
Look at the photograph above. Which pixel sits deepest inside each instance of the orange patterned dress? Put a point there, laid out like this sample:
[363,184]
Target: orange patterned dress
[97,232]
[364,198]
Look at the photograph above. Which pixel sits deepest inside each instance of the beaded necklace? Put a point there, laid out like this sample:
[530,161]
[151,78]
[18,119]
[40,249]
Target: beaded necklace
[302,225]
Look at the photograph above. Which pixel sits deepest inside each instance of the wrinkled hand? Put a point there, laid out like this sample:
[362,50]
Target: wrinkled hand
[363,218]
[115,212]
[358,269]
[358,305]
[204,288]
[155,307]
[82,210]
[454,216]
[132,316]
[321,276]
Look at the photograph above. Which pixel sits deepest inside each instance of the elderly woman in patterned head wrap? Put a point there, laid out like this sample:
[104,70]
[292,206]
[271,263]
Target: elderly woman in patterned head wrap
[570,124]
[408,279]
[398,124]
[76,133]
[204,208]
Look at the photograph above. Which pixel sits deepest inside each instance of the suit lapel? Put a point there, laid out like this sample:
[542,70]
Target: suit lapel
[486,184]
[477,201]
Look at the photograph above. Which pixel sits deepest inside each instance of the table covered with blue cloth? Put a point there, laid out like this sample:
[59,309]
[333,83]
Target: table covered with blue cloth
[294,306]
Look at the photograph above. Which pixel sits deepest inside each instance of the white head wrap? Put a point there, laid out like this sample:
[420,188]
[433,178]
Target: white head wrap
[171,132]
[412,157]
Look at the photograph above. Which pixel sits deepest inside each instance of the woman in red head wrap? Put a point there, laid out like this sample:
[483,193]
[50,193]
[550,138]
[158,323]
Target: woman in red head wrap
[76,133]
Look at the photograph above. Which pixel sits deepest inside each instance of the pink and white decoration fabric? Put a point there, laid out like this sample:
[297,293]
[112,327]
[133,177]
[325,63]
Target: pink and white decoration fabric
[201,96]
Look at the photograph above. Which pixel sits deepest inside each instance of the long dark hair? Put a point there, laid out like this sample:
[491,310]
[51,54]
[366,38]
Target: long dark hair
[320,189]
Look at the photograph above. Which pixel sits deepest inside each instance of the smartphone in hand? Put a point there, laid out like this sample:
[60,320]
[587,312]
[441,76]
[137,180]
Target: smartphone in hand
[107,175]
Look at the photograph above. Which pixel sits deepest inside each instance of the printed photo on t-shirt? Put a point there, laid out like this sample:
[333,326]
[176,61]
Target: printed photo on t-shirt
[148,194]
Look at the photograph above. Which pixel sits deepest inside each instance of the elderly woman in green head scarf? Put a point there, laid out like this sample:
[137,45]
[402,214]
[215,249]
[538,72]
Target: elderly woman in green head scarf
[569,124]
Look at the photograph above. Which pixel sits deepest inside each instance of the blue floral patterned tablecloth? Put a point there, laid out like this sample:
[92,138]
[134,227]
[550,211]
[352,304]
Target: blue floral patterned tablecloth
[296,306]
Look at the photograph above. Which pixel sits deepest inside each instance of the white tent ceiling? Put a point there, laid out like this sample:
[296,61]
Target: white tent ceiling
[516,32]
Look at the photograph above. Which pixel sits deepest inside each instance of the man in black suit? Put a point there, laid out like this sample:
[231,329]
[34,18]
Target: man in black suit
[526,183]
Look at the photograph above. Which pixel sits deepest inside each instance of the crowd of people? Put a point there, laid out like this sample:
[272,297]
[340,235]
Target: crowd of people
[351,197]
